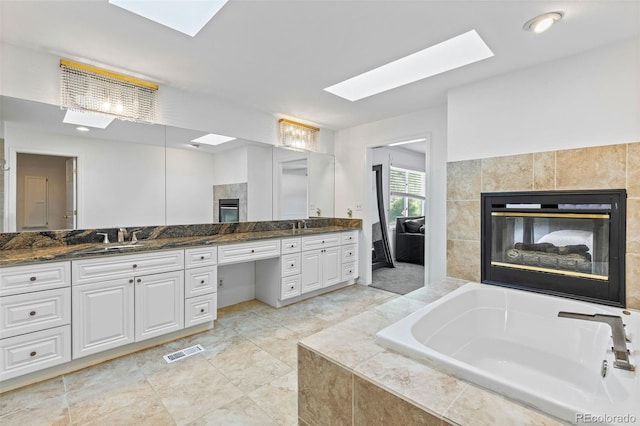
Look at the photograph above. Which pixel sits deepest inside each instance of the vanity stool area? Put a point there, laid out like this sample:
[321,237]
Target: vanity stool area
[64,315]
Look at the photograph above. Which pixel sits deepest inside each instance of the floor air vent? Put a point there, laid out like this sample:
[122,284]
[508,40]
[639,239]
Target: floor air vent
[183,353]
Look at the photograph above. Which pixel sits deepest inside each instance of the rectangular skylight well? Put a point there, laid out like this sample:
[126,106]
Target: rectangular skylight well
[186,16]
[454,53]
[213,139]
[89,119]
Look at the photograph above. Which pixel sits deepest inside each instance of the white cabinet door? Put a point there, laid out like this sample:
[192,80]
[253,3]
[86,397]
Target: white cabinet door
[311,266]
[102,316]
[331,271]
[159,304]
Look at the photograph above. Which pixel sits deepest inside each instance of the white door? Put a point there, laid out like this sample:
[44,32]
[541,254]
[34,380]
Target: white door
[331,270]
[70,194]
[159,304]
[311,267]
[102,316]
[36,205]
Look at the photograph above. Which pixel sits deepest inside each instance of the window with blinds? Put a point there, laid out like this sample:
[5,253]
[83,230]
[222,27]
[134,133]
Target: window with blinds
[407,193]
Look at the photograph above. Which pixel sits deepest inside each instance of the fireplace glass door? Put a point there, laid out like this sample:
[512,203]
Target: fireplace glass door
[565,243]
[575,244]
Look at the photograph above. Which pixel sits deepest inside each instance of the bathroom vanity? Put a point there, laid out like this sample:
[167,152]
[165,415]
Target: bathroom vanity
[89,303]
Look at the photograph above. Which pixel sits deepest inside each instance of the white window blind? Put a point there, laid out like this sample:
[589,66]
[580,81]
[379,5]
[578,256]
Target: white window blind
[407,183]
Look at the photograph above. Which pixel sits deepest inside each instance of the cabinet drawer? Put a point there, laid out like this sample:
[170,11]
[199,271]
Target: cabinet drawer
[29,312]
[349,237]
[290,287]
[200,281]
[108,268]
[349,271]
[34,351]
[22,279]
[233,253]
[290,265]
[291,245]
[349,253]
[200,309]
[202,256]
[320,241]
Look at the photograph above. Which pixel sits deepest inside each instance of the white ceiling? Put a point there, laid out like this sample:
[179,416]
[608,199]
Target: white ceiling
[277,56]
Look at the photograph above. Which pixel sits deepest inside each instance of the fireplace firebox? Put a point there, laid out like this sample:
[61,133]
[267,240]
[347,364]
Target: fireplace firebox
[564,243]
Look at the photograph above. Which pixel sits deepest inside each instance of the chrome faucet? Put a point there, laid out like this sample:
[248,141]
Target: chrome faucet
[106,237]
[618,335]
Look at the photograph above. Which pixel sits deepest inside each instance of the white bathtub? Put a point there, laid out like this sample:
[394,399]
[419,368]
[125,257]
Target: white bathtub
[513,343]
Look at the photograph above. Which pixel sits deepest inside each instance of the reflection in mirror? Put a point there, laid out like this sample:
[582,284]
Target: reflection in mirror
[303,184]
[61,178]
[200,175]
[132,174]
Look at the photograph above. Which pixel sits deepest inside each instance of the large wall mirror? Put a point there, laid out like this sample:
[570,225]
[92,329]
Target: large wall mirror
[131,174]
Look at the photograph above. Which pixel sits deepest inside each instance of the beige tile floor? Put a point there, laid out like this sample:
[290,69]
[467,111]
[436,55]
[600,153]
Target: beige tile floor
[246,376]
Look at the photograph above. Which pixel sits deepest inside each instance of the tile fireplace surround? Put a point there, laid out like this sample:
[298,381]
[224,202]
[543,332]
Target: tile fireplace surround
[600,167]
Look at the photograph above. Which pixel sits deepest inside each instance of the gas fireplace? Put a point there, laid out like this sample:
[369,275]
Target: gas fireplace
[565,243]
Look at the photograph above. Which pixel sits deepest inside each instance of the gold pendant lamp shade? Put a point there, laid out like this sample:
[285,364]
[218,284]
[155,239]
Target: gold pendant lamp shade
[87,88]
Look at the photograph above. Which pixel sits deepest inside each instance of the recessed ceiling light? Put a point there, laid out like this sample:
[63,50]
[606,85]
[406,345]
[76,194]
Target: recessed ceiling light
[542,23]
[188,17]
[213,139]
[406,142]
[454,53]
[89,119]
[82,129]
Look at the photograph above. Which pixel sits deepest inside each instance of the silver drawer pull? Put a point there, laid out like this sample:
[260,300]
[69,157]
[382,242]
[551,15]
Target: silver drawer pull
[32,313]
[32,279]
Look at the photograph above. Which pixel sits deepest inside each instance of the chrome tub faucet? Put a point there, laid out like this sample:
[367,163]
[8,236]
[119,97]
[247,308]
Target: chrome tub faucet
[618,335]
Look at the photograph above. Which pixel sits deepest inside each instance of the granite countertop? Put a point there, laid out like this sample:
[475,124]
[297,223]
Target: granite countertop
[17,257]
[351,344]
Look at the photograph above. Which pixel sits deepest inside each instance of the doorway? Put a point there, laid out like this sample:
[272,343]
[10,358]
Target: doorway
[403,167]
[46,188]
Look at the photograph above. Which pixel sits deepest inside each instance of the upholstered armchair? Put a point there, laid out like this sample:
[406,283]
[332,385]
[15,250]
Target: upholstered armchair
[409,245]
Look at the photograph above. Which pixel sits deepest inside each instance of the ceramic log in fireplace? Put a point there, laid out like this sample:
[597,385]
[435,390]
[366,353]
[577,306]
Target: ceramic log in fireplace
[565,243]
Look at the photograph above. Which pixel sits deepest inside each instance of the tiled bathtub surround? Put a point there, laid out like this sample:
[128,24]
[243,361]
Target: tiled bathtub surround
[601,167]
[346,378]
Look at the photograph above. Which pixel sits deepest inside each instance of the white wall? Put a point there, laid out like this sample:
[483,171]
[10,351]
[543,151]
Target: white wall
[135,194]
[189,186]
[33,75]
[259,183]
[584,100]
[354,179]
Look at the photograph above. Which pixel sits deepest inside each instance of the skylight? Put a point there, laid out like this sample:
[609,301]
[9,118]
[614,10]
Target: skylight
[454,53]
[186,16]
[213,139]
[89,119]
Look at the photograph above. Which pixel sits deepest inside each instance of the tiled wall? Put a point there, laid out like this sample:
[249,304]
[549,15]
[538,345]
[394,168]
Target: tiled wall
[602,167]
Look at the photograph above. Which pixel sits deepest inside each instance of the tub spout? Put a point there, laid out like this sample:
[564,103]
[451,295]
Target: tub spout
[617,334]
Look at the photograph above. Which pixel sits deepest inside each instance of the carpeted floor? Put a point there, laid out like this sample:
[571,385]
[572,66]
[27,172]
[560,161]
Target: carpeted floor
[402,279]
